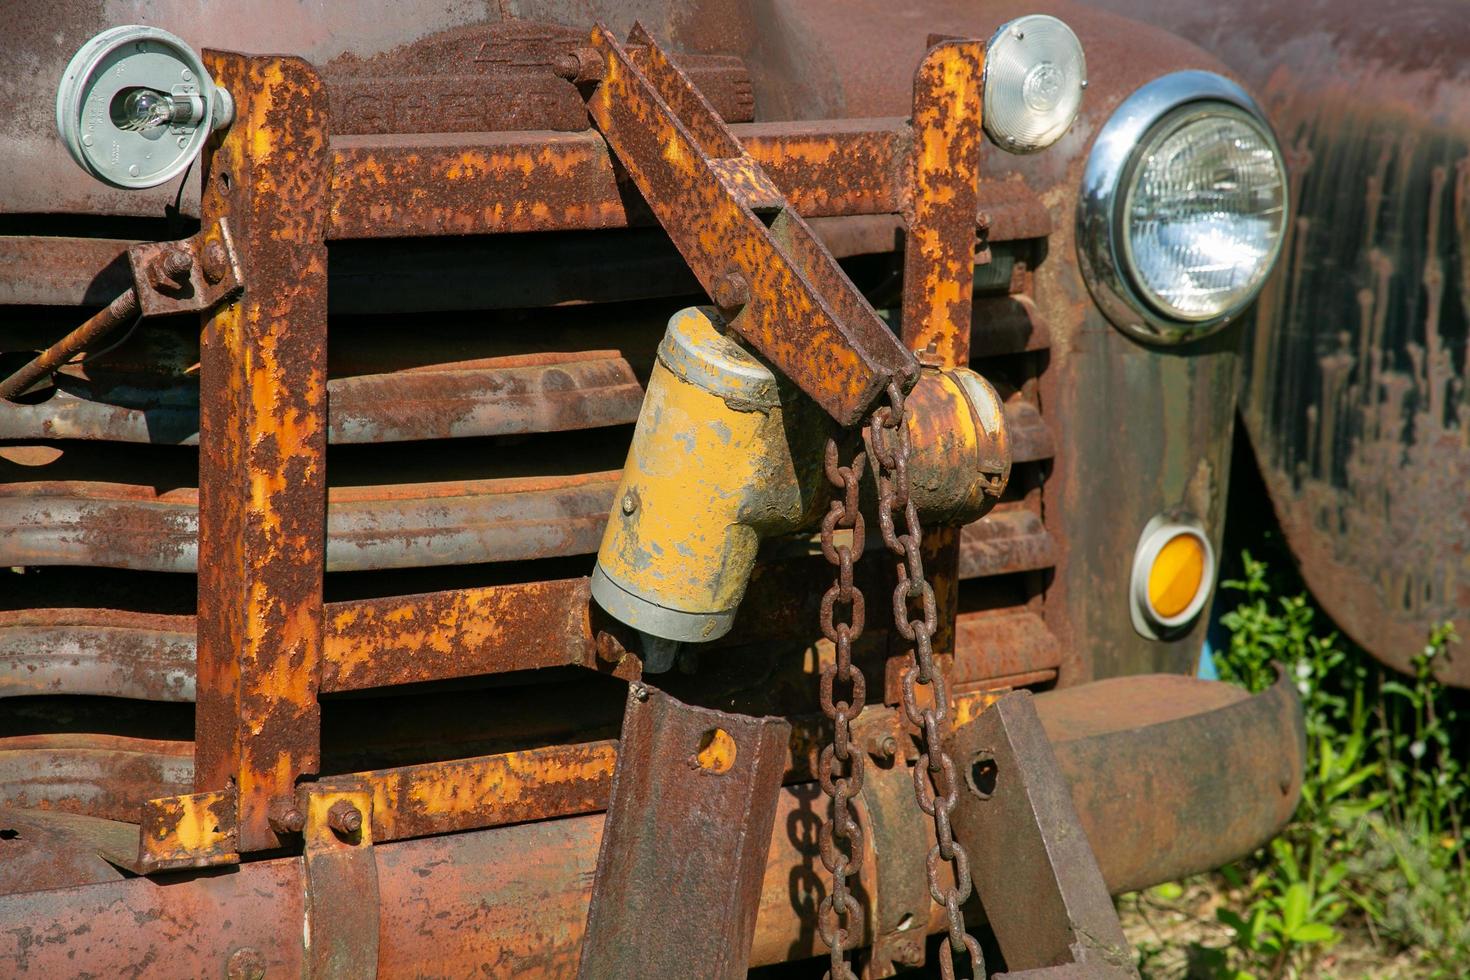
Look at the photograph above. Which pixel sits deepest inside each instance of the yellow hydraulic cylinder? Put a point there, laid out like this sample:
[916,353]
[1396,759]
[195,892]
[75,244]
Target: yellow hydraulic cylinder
[725,455]
[717,463]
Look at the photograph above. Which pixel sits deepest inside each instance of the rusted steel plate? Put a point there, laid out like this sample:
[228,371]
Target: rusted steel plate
[487,791]
[104,776]
[102,652]
[1003,542]
[1033,868]
[492,183]
[401,640]
[997,644]
[686,840]
[797,307]
[453,903]
[191,830]
[340,873]
[1030,436]
[70,271]
[405,526]
[940,201]
[1007,325]
[262,457]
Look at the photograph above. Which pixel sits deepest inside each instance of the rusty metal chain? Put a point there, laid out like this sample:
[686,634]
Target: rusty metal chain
[935,782]
[840,767]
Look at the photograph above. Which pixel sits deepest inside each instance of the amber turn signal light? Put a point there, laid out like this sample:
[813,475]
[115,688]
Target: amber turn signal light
[1173,572]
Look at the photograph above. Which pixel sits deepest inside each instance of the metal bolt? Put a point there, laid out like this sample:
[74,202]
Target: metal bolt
[640,692]
[344,818]
[171,267]
[730,290]
[630,502]
[889,747]
[285,818]
[215,261]
[245,963]
[582,65]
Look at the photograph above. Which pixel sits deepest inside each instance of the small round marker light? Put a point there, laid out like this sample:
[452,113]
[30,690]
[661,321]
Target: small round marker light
[135,106]
[1173,573]
[1034,76]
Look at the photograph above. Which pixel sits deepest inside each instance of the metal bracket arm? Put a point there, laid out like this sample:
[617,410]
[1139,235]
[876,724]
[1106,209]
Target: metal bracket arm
[1033,867]
[748,248]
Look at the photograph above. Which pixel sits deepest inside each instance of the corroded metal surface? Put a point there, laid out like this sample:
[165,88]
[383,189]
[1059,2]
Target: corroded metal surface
[400,640]
[102,652]
[396,526]
[263,426]
[443,797]
[397,186]
[940,203]
[439,402]
[685,843]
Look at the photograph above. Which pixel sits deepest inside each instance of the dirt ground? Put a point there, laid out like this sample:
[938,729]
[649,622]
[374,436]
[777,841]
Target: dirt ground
[1176,940]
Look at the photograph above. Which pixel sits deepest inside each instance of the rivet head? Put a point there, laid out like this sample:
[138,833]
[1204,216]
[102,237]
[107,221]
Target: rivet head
[87,140]
[630,502]
[186,75]
[133,170]
[639,692]
[245,963]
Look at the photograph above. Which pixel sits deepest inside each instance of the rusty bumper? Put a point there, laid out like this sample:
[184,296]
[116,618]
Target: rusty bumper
[1169,776]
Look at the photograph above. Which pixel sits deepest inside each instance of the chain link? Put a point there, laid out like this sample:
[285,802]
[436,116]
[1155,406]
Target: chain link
[935,784]
[840,767]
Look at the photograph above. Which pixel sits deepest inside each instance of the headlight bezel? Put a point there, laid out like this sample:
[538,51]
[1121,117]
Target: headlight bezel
[1106,183]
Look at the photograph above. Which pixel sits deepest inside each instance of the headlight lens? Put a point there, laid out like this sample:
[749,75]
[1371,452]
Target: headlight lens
[1183,208]
[1204,212]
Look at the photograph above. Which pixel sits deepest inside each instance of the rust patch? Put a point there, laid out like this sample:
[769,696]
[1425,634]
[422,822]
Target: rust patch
[263,429]
[380,642]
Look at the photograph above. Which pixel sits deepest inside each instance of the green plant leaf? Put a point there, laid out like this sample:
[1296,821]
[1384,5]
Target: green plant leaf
[1313,932]
[1294,907]
[1169,891]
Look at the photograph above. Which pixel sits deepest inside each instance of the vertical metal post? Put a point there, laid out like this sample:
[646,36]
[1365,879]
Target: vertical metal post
[262,448]
[941,208]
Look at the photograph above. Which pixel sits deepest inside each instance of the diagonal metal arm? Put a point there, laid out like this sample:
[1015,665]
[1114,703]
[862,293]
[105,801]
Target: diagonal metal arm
[747,247]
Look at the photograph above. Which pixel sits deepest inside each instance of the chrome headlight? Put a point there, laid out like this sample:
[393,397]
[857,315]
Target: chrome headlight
[1183,208]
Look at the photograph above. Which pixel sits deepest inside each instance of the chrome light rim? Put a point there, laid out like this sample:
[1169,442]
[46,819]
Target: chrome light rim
[1104,189]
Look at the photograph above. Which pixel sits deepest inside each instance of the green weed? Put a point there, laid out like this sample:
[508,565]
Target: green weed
[1378,843]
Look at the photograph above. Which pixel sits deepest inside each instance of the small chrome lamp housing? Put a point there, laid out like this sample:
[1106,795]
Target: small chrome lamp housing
[136,105]
[1035,72]
[1183,208]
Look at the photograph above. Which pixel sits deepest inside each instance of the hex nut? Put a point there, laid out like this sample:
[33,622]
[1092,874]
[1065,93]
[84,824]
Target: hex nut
[344,818]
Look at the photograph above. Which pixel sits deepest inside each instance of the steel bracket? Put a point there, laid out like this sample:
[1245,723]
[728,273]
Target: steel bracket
[188,276]
[684,846]
[1033,867]
[893,886]
[341,930]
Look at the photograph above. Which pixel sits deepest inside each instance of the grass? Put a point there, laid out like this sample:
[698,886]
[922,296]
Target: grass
[1370,878]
